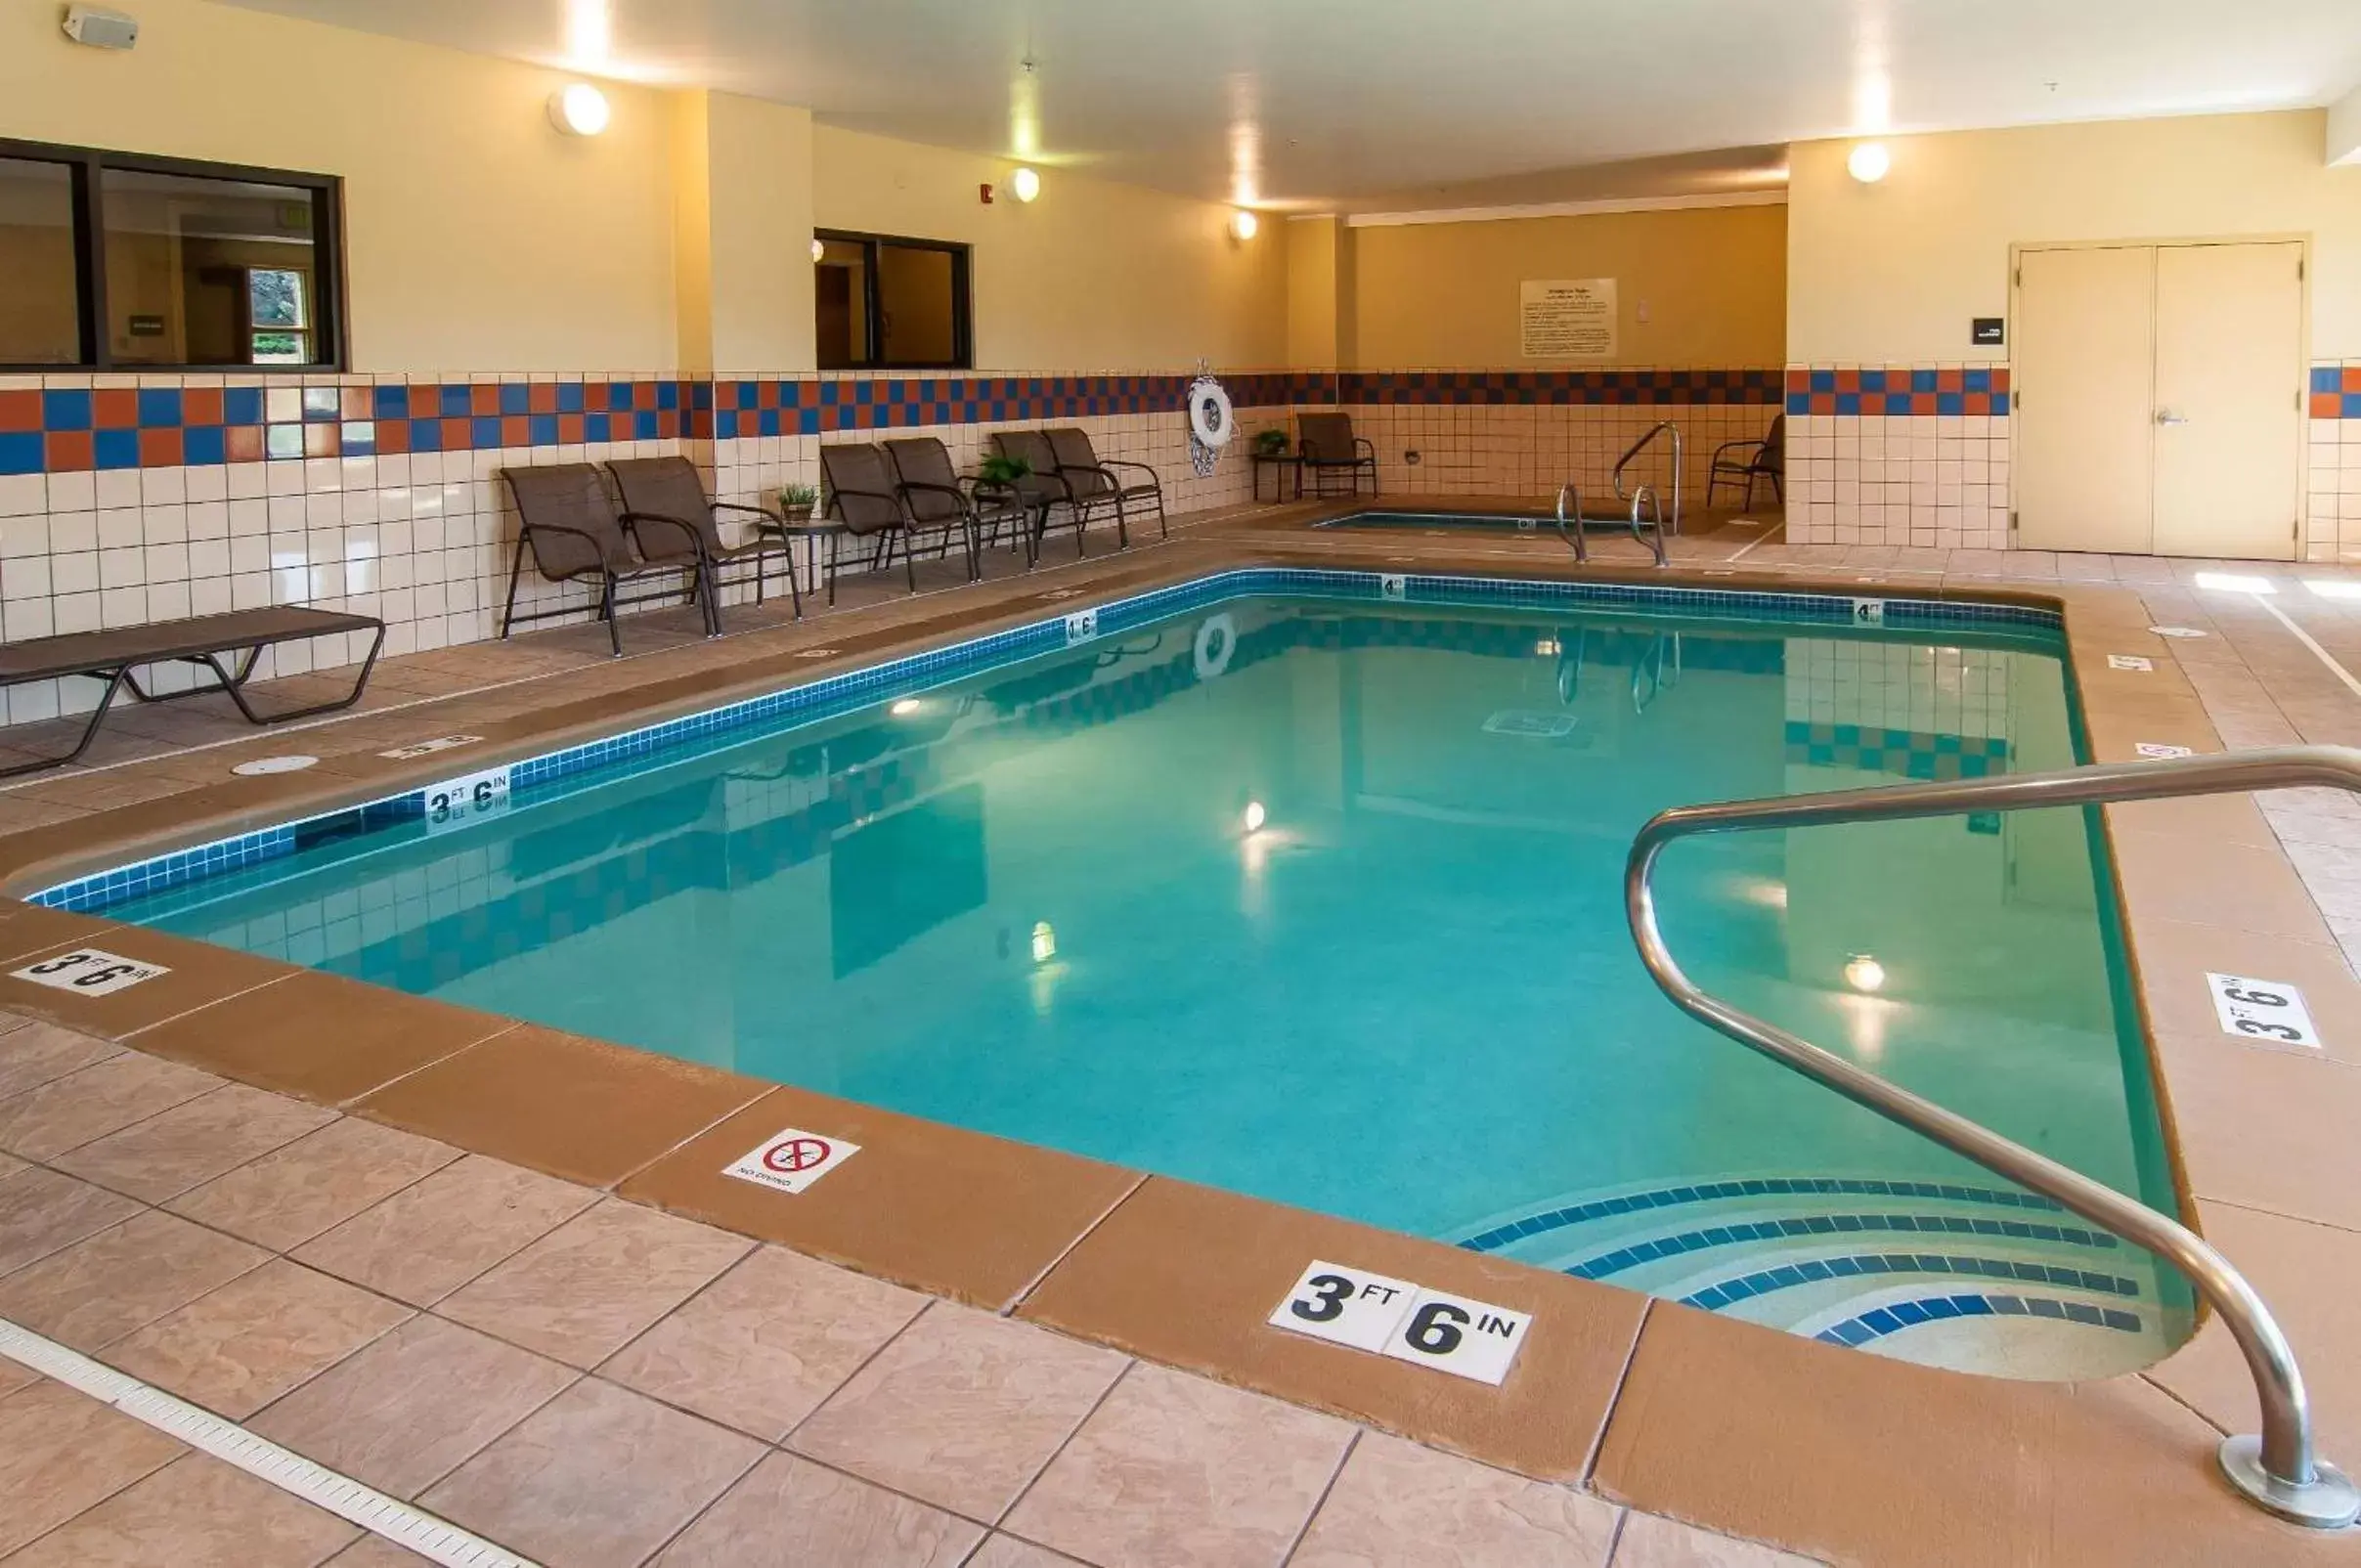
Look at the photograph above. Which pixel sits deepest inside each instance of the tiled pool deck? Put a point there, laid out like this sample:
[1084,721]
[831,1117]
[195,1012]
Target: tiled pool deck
[494,1268]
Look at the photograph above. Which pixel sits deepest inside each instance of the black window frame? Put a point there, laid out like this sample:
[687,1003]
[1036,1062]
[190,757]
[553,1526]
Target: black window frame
[87,163]
[963,299]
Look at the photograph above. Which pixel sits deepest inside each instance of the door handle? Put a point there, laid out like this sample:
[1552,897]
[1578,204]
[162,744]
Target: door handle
[2168,417]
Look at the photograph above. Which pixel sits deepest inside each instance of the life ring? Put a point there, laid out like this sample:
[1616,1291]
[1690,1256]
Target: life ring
[1216,642]
[1209,417]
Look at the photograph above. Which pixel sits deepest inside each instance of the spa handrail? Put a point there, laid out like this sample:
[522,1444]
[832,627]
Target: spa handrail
[2279,1472]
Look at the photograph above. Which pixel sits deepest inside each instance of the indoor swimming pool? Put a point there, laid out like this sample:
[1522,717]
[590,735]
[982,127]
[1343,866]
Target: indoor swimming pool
[1309,885]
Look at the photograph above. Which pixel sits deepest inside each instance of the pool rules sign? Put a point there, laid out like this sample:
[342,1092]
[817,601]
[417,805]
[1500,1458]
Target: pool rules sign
[1406,1322]
[1567,318]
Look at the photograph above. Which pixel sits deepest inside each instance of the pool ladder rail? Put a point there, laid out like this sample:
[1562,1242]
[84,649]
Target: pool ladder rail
[2279,1471]
[1640,498]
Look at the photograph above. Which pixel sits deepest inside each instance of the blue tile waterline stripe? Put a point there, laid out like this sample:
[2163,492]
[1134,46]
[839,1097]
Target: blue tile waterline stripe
[1895,1316]
[1544,1220]
[1829,1228]
[872,682]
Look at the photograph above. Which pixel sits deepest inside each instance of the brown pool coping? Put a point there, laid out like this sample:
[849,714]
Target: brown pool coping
[1737,1428]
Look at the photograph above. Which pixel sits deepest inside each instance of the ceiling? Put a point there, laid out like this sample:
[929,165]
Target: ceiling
[1382,105]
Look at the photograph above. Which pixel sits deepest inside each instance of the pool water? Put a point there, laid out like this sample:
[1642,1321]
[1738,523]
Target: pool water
[1320,900]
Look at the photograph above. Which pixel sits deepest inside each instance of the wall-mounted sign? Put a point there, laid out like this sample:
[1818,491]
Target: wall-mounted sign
[147,327]
[1987,330]
[1567,318]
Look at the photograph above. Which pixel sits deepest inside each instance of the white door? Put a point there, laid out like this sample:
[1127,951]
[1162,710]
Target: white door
[2159,398]
[2229,399]
[2084,369]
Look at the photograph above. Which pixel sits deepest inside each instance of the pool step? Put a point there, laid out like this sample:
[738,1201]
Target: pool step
[1974,1277]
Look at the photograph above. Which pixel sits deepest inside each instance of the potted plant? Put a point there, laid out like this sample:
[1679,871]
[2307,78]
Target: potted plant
[1003,471]
[1271,443]
[796,502]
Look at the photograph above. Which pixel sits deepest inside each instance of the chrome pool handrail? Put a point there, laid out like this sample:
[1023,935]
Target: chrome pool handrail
[2280,1470]
[1565,493]
[1641,444]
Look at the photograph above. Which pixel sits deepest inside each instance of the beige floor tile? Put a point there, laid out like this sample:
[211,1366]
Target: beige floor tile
[61,1453]
[761,1347]
[42,1211]
[1175,1468]
[34,1053]
[587,1288]
[197,1512]
[290,1196]
[95,1101]
[165,1156]
[598,1478]
[124,1278]
[1397,1503]
[427,1240]
[250,1342]
[1008,1551]
[1649,1540]
[962,1411]
[790,1514]
[410,1409]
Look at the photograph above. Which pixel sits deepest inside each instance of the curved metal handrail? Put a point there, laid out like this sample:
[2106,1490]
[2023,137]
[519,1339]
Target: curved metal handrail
[1581,547]
[1641,444]
[1653,539]
[2279,1472]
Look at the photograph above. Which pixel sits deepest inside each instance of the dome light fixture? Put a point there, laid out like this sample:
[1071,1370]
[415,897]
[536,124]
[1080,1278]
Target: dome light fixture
[1869,162]
[1244,223]
[580,110]
[1024,184]
[819,251]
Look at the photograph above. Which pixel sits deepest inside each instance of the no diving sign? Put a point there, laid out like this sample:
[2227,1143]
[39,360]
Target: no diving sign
[791,1160]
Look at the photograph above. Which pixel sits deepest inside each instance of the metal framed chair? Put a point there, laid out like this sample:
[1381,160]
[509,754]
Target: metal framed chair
[1328,446]
[574,532]
[1043,488]
[672,488]
[935,494]
[865,495]
[1744,462]
[1097,480]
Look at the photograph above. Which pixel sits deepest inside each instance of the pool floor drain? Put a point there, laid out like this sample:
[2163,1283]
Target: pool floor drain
[262,765]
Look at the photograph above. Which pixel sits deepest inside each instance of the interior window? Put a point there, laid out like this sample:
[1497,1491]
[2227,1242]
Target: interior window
[887,303]
[40,293]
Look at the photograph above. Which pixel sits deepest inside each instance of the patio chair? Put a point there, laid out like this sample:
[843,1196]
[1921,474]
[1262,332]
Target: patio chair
[571,528]
[935,494]
[1096,480]
[671,488]
[866,499]
[1043,488]
[1743,463]
[1328,446]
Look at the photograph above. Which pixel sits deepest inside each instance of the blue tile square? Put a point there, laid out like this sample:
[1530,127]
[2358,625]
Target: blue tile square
[116,449]
[159,407]
[67,410]
[483,431]
[516,397]
[21,452]
[542,429]
[241,404]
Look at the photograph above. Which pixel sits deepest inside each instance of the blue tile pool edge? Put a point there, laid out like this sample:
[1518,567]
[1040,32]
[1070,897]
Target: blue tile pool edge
[101,889]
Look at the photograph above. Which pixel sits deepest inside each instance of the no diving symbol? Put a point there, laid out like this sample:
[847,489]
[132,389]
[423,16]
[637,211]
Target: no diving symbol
[797,1154]
[791,1160]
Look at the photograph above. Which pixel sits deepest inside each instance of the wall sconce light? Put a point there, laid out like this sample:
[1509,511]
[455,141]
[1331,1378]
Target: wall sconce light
[819,251]
[1024,184]
[1869,162]
[1244,224]
[580,110]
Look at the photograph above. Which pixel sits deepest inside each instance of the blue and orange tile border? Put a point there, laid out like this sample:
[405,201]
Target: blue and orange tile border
[2335,392]
[1909,391]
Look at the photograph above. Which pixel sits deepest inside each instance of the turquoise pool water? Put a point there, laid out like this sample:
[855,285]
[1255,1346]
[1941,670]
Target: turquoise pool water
[1315,897]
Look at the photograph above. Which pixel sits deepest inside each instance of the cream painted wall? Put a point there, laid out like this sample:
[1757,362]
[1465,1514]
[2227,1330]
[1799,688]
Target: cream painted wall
[1892,273]
[1094,276]
[478,238]
[762,235]
[1444,295]
[1313,305]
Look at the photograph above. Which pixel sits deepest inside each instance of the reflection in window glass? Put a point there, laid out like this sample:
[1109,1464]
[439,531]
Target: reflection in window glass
[842,284]
[916,306]
[40,304]
[208,271]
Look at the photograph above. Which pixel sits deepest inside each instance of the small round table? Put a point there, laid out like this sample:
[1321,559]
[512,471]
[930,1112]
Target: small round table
[811,530]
